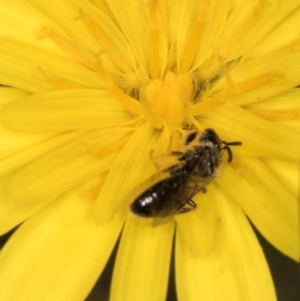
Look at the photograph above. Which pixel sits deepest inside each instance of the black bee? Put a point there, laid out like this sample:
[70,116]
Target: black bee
[196,168]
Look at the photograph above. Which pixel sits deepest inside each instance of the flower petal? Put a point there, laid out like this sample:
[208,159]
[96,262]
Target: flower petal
[288,100]
[21,22]
[23,66]
[234,269]
[58,254]
[251,22]
[142,266]
[102,36]
[283,109]
[12,141]
[287,171]
[270,205]
[23,148]
[215,26]
[132,166]
[60,111]
[13,213]
[62,168]
[127,16]
[9,94]
[261,138]
[67,16]
[285,33]
[184,17]
[266,76]
[240,11]
[199,228]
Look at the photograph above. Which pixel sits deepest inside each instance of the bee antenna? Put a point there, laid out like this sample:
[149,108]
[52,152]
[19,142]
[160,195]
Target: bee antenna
[232,143]
[228,148]
[229,153]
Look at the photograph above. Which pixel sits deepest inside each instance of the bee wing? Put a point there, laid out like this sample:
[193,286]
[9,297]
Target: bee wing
[168,162]
[195,185]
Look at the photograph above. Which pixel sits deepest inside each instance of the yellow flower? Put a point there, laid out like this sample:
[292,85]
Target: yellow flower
[91,89]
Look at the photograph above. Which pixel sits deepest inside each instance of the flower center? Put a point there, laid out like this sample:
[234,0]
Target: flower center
[164,100]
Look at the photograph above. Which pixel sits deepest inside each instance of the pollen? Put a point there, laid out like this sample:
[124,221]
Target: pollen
[164,100]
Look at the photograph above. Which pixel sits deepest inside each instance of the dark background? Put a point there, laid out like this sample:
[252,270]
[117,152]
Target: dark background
[285,274]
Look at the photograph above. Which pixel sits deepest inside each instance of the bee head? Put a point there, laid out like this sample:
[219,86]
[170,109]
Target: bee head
[209,135]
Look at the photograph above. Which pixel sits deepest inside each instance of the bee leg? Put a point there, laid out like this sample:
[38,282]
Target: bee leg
[188,209]
[203,189]
[176,153]
[175,169]
[192,204]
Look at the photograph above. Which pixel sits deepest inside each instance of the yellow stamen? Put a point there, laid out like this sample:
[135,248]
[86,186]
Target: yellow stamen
[154,59]
[163,10]
[164,101]
[90,193]
[176,140]
[243,31]
[194,41]
[207,105]
[67,47]
[192,120]
[257,81]
[105,42]
[59,82]
[109,149]
[277,115]
[131,104]
[100,4]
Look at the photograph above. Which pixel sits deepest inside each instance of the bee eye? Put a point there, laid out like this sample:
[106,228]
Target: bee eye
[190,138]
[209,135]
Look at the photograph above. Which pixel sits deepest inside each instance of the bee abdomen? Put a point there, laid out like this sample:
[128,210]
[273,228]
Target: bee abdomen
[143,206]
[161,199]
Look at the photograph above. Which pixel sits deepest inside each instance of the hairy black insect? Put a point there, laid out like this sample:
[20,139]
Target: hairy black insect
[196,168]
